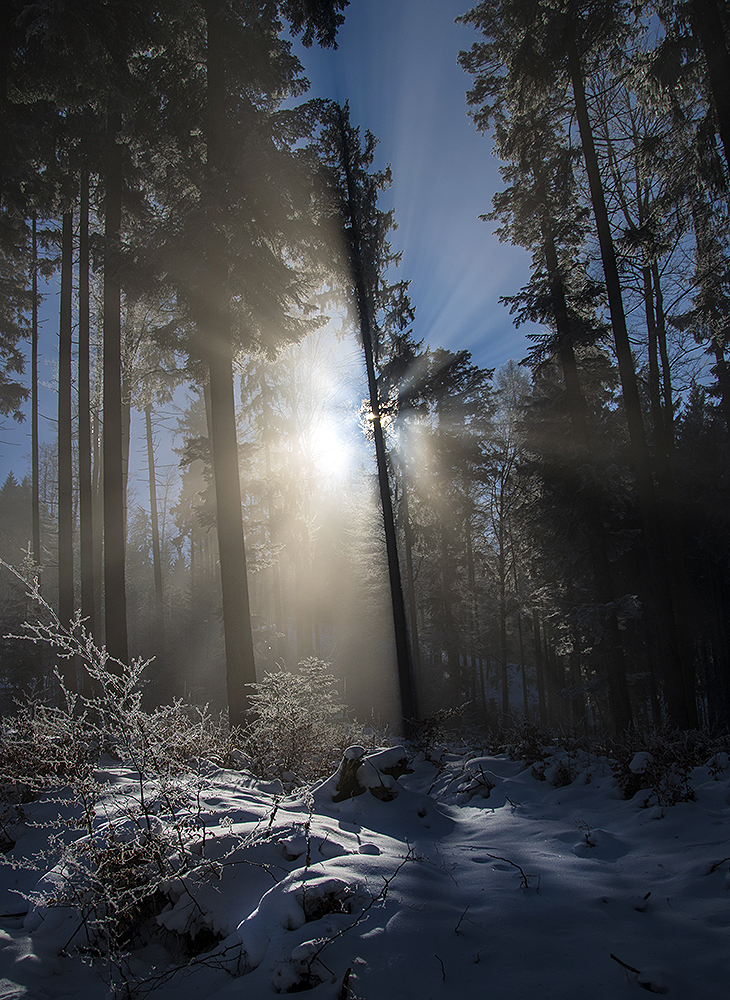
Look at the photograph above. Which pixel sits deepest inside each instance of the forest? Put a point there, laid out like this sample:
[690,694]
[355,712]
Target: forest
[546,540]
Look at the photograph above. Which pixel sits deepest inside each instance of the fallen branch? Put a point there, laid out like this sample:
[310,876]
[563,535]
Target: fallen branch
[524,877]
[456,929]
[443,970]
[625,966]
[345,987]
[716,864]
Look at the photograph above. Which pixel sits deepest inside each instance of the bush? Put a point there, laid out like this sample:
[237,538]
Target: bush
[661,761]
[300,727]
[131,848]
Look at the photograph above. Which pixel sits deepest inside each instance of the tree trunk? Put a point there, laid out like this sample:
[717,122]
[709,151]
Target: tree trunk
[662,411]
[655,393]
[411,584]
[86,506]
[471,579]
[612,652]
[97,495]
[523,670]
[156,553]
[35,485]
[218,350]
[281,640]
[65,455]
[240,662]
[400,627]
[115,595]
[502,574]
[302,593]
[539,669]
[723,381]
[661,329]
[5,41]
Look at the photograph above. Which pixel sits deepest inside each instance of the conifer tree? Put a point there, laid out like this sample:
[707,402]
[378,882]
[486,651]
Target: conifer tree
[529,61]
[355,190]
[227,260]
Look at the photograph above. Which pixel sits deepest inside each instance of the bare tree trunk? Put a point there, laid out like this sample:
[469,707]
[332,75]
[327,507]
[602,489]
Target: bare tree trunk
[86,506]
[97,478]
[411,583]
[403,653]
[115,595]
[240,662]
[655,394]
[35,485]
[281,643]
[502,576]
[661,329]
[65,454]
[523,667]
[614,661]
[523,671]
[302,594]
[5,51]
[156,553]
[471,578]
[723,381]
[707,27]
[663,419]
[539,669]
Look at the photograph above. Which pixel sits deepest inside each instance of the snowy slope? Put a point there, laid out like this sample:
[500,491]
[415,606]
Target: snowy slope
[479,878]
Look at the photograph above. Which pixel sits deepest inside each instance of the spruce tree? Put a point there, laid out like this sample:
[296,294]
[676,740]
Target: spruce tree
[233,257]
[355,187]
[529,61]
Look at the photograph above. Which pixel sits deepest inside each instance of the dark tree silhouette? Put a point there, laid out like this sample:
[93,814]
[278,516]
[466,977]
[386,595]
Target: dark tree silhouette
[365,227]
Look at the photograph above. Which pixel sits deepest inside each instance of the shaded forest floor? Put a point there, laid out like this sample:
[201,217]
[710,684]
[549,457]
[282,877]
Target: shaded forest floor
[469,876]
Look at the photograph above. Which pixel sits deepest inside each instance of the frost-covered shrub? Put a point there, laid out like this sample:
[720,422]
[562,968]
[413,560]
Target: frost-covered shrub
[299,727]
[132,839]
[661,762]
[477,779]
[527,741]
[446,731]
[567,764]
[39,747]
[185,733]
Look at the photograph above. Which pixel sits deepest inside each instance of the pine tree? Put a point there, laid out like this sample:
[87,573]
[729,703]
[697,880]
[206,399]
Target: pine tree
[545,59]
[355,191]
[245,209]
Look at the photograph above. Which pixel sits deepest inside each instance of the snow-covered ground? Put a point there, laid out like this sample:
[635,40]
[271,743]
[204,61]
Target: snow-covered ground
[466,878]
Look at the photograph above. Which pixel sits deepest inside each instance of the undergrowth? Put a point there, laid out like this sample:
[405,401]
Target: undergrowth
[131,836]
[300,727]
[657,761]
[134,837]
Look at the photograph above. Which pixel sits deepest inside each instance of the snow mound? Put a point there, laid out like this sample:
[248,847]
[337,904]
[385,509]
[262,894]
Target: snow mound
[437,890]
[359,773]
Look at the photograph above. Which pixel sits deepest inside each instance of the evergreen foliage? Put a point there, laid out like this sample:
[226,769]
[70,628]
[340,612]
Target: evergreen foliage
[556,542]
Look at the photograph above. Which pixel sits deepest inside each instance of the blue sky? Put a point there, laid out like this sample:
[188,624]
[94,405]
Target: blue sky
[396,63]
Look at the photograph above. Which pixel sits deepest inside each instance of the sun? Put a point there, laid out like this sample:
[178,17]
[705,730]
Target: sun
[331,447]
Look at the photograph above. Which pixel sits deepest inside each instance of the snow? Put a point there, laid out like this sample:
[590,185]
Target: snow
[481,877]
[641,762]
